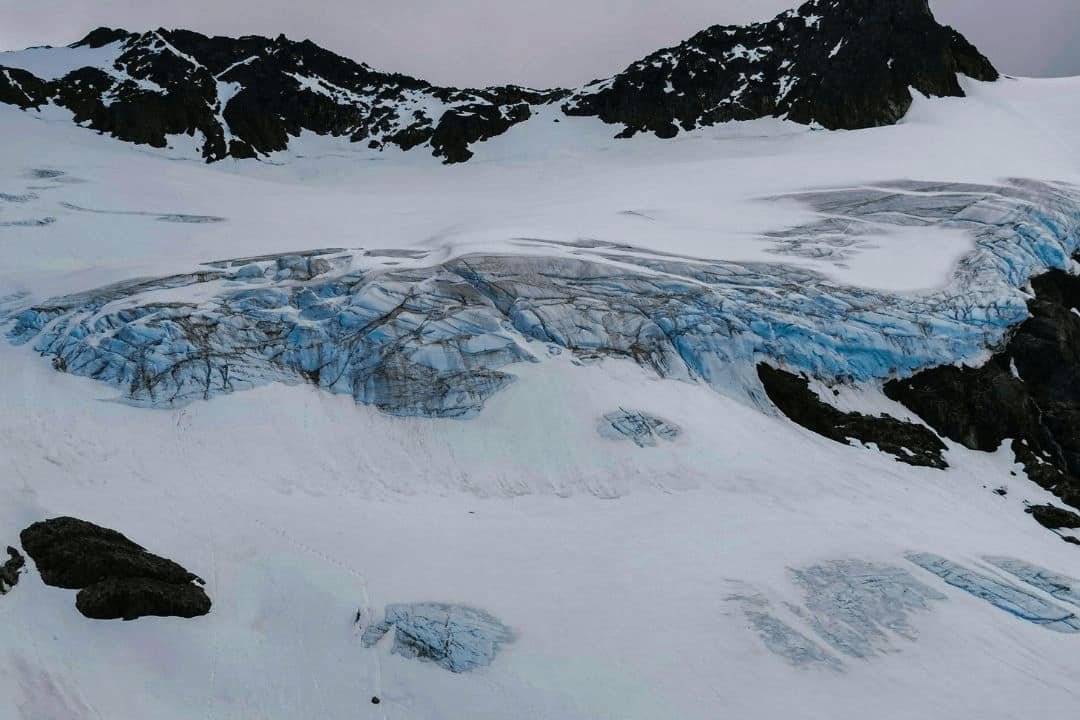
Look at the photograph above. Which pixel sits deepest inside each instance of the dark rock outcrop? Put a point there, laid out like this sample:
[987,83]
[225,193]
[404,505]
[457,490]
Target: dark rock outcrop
[21,89]
[247,96]
[116,578]
[1054,518]
[907,442]
[135,597]
[9,571]
[846,64]
[1028,392]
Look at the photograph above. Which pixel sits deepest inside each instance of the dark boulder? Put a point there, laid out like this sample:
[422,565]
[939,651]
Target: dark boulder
[71,553]
[9,571]
[117,577]
[907,442]
[133,597]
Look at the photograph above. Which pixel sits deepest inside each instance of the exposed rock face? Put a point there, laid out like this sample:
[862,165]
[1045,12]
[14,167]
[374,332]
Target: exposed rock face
[1054,518]
[134,597]
[9,571]
[22,89]
[907,442]
[246,96]
[840,64]
[116,578]
[846,64]
[1028,392]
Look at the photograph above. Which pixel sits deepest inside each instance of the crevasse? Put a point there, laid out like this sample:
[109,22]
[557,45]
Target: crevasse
[435,339]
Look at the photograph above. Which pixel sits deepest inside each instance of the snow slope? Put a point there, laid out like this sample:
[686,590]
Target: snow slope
[732,570]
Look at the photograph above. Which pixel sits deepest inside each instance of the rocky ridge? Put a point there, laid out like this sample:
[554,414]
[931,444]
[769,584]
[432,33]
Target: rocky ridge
[833,63]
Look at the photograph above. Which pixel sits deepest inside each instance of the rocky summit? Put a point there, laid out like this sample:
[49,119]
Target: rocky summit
[834,63]
[838,63]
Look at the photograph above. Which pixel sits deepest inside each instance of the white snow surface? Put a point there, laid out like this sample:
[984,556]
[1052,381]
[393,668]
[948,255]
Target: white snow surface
[613,565]
[53,63]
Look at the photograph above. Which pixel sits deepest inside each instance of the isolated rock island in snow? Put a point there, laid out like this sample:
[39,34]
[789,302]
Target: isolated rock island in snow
[115,577]
[10,570]
[846,64]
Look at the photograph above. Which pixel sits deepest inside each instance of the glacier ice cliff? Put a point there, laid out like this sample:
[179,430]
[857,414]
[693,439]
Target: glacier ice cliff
[414,336]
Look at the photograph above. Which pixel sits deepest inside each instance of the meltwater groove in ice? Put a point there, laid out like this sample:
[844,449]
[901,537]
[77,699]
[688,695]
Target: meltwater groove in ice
[850,604]
[1004,596]
[856,608]
[434,339]
[1061,587]
[787,642]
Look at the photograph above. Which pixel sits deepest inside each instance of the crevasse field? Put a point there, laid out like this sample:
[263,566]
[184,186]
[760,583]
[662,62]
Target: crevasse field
[739,567]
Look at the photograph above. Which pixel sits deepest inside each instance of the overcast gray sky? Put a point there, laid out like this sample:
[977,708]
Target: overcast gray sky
[539,42]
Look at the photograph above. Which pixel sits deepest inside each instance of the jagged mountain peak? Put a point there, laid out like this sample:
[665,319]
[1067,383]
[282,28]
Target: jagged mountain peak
[100,37]
[837,63]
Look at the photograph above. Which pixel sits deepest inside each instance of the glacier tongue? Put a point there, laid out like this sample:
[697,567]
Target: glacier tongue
[434,340]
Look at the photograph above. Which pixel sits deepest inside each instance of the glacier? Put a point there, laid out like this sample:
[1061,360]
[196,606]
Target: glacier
[415,336]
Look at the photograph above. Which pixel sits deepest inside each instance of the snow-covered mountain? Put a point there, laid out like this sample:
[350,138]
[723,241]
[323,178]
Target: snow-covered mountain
[730,415]
[838,64]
